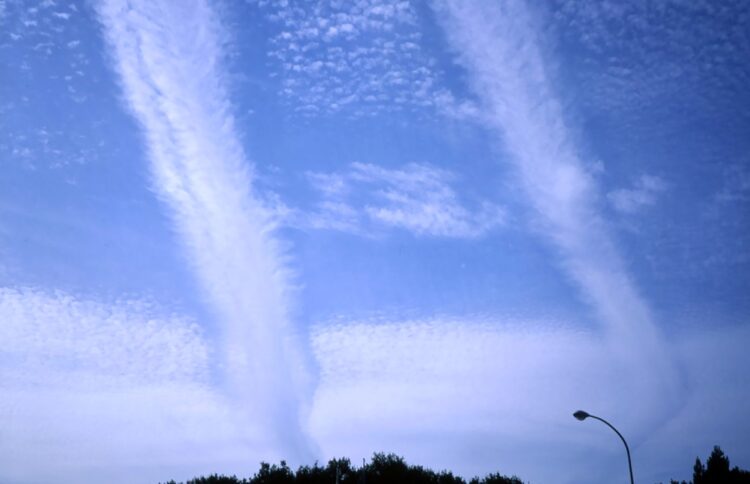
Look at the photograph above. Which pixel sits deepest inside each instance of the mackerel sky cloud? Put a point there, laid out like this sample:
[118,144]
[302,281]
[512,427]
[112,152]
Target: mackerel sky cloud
[244,231]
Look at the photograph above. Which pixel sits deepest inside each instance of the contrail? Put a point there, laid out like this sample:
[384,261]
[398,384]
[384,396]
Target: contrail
[168,55]
[498,45]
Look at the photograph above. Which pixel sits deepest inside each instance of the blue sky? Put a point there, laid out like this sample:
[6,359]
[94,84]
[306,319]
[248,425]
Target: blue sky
[237,231]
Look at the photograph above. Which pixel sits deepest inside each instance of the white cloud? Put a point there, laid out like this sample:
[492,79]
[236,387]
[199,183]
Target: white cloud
[126,342]
[117,390]
[418,198]
[93,391]
[358,58]
[460,110]
[643,194]
[500,47]
[478,395]
[174,84]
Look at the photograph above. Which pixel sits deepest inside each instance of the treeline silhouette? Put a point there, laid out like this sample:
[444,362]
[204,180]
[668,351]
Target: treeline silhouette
[382,469]
[393,469]
[716,471]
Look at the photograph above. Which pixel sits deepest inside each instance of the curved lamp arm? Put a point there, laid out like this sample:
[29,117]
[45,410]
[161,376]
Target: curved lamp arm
[581,415]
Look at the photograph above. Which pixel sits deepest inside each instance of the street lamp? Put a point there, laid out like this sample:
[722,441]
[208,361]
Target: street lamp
[581,415]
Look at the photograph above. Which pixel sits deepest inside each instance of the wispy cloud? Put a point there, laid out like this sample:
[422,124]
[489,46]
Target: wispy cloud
[465,110]
[169,57]
[643,194]
[418,198]
[501,49]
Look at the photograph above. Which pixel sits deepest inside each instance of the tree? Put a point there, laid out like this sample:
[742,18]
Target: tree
[717,471]
[698,471]
[382,469]
[273,474]
[496,478]
[717,467]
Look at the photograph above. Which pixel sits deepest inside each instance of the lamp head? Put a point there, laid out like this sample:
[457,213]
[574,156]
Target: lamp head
[581,415]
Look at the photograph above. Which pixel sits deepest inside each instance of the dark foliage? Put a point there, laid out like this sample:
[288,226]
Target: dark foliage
[382,469]
[496,479]
[392,469]
[716,471]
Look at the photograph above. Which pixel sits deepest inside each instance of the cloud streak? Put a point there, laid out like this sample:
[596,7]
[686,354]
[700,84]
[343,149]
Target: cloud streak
[169,58]
[501,49]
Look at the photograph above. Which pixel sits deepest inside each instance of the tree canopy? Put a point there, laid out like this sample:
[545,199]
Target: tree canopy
[716,471]
[382,469]
[393,469]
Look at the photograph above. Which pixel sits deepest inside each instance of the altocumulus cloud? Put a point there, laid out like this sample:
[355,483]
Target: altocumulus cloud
[360,58]
[122,386]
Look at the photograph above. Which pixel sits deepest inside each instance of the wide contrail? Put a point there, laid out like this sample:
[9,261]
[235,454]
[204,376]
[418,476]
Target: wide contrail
[499,46]
[169,58]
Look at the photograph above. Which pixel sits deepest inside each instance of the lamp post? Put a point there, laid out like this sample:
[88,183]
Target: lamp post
[581,415]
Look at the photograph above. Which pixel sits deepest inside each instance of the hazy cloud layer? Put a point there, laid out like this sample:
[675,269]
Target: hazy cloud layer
[446,391]
[88,384]
[122,391]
